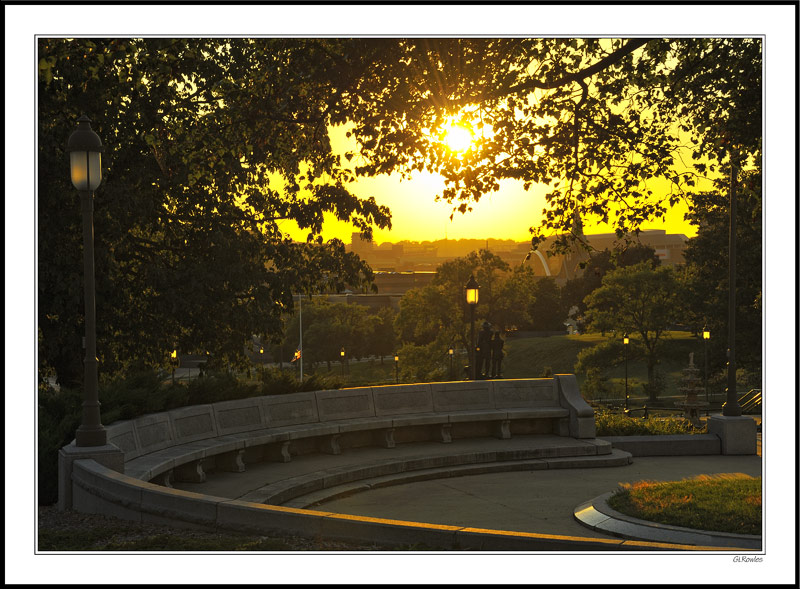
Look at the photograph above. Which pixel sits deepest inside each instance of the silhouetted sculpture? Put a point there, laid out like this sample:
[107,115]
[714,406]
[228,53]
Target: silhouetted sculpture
[484,352]
[497,354]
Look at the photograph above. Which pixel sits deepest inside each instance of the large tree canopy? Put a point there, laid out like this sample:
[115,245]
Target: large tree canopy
[210,145]
[213,143]
[597,120]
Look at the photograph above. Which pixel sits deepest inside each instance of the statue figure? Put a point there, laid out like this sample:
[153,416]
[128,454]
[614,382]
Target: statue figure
[497,354]
[484,352]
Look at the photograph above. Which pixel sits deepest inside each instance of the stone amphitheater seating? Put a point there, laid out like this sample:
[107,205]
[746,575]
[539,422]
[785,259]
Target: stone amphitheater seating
[182,444]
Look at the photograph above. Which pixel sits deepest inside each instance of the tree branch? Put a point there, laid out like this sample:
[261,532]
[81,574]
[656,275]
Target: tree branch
[610,59]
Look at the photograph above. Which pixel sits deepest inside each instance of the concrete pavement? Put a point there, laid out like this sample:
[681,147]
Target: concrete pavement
[539,501]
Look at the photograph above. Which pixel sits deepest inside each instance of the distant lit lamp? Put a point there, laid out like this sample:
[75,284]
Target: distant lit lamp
[625,342]
[450,352]
[706,337]
[341,353]
[174,362]
[471,293]
[396,365]
[85,147]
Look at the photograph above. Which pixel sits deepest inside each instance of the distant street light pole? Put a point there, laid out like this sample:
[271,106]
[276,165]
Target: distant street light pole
[706,337]
[471,293]
[450,353]
[173,361]
[396,365]
[625,342]
[85,147]
[341,353]
[731,406]
[300,302]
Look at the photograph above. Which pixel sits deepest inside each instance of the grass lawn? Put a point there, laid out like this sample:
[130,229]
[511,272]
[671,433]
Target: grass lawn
[534,357]
[719,503]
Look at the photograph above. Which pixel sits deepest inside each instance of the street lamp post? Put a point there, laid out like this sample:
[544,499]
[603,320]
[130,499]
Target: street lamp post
[471,293]
[731,406]
[341,353]
[706,337]
[396,365]
[85,147]
[450,353]
[625,342]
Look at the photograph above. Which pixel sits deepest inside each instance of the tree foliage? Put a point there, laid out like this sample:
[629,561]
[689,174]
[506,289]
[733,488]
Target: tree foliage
[599,263]
[641,301]
[210,144]
[328,328]
[596,120]
[438,312]
[707,273]
[213,143]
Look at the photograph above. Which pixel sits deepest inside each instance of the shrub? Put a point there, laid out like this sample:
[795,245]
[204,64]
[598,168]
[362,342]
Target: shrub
[59,415]
[596,385]
[616,424]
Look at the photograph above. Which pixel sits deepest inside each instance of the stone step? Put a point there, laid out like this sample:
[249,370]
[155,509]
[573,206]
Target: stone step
[279,492]
[314,498]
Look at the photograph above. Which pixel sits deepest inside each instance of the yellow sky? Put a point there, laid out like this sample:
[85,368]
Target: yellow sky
[506,214]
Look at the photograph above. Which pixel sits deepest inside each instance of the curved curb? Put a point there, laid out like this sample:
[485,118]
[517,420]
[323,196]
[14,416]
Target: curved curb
[597,515]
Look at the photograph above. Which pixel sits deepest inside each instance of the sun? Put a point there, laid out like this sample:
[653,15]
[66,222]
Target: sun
[458,138]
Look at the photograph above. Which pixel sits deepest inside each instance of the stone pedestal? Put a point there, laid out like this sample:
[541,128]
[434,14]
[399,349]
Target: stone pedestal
[109,456]
[737,434]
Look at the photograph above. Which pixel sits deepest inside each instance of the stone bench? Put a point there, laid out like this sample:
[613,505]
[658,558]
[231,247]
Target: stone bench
[183,444]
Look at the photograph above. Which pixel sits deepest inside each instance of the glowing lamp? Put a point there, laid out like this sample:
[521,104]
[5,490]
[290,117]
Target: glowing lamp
[472,289]
[85,147]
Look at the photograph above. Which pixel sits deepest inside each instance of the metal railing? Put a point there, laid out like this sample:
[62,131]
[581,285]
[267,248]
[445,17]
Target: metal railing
[750,402]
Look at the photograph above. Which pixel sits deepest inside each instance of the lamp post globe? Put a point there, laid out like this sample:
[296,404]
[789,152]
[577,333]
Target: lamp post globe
[85,148]
[450,353]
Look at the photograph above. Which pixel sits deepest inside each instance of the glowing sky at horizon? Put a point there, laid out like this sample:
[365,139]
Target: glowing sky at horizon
[416,216]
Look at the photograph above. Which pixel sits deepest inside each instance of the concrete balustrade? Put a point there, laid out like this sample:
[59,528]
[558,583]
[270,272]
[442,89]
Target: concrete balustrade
[184,444]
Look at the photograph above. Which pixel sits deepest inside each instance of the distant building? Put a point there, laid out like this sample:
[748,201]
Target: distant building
[397,263]
[399,283]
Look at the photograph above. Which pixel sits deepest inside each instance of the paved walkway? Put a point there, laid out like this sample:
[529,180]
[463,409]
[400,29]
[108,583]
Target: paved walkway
[541,501]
